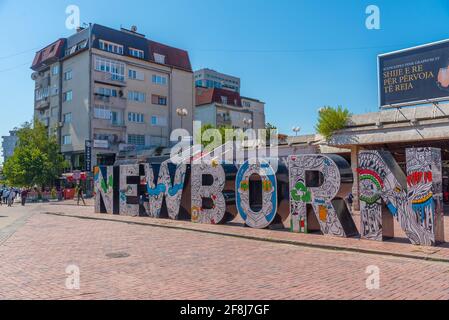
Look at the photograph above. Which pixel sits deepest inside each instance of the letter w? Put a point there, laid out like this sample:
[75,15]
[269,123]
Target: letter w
[164,189]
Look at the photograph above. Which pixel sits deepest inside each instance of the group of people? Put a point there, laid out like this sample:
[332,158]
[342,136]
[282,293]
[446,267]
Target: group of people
[9,195]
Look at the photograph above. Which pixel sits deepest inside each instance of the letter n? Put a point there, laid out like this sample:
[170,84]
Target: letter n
[104,189]
[415,200]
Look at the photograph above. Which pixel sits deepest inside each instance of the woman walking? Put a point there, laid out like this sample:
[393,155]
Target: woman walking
[11,197]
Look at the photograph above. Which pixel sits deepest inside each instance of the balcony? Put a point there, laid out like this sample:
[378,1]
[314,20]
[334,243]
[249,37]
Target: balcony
[45,121]
[108,78]
[112,102]
[223,120]
[42,104]
[108,124]
[43,82]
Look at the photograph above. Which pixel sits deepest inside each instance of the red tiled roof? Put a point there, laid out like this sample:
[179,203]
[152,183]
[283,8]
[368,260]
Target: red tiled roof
[173,56]
[210,95]
[53,51]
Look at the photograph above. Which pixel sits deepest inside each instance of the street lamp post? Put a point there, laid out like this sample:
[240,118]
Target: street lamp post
[296,130]
[247,123]
[182,112]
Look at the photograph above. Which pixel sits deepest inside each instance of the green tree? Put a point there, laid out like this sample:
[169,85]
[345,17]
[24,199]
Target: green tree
[332,119]
[203,137]
[269,127]
[36,159]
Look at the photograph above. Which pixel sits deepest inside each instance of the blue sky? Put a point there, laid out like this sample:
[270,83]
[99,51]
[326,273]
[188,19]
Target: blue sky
[295,55]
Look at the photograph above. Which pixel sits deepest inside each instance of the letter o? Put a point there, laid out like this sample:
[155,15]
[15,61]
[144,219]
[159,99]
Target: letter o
[263,218]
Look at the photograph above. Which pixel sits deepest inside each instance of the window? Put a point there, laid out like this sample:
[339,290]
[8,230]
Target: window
[82,45]
[159,58]
[136,75]
[246,104]
[68,75]
[54,91]
[136,96]
[102,112]
[136,117]
[136,139]
[42,93]
[68,96]
[68,118]
[116,69]
[159,100]
[55,70]
[111,47]
[158,121]
[75,48]
[67,139]
[136,53]
[159,80]
[102,136]
[106,92]
[224,99]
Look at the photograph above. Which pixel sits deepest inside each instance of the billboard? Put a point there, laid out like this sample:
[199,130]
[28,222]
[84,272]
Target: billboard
[415,75]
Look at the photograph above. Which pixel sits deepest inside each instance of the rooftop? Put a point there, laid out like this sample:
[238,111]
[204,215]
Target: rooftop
[174,57]
[214,95]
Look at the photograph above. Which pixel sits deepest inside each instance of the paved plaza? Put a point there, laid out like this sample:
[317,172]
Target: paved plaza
[142,258]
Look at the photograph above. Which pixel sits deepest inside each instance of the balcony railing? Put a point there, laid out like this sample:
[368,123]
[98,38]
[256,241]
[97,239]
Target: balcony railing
[41,83]
[113,102]
[105,77]
[42,104]
[223,120]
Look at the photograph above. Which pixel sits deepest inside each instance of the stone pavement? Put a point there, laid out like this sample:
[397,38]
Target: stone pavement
[142,258]
[400,246]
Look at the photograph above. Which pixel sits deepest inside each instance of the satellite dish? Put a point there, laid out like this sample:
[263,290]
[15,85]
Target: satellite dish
[134,28]
[34,76]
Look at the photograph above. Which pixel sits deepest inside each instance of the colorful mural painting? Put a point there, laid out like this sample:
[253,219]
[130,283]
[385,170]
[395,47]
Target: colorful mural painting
[214,192]
[129,195]
[413,200]
[310,189]
[321,192]
[104,185]
[163,189]
[265,215]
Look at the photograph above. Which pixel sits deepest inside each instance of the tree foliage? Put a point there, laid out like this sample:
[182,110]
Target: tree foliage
[36,159]
[332,119]
[269,128]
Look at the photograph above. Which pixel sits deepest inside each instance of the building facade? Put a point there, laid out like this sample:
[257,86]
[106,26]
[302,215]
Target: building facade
[114,88]
[220,107]
[9,144]
[209,78]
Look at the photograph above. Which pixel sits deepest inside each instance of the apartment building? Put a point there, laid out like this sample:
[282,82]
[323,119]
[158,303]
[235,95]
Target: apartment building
[9,144]
[220,107]
[209,78]
[114,88]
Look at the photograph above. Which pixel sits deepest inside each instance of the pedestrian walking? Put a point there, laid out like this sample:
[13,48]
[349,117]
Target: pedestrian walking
[80,196]
[24,195]
[5,196]
[1,197]
[11,197]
